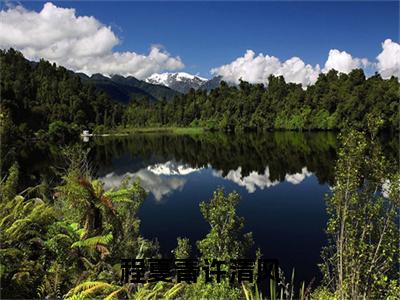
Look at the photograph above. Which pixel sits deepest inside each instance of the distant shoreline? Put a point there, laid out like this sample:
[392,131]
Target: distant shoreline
[129,131]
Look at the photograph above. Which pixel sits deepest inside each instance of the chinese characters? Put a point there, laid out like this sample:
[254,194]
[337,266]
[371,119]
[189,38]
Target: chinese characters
[188,270]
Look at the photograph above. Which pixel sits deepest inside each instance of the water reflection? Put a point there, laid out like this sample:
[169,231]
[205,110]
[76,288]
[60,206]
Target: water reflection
[240,157]
[162,178]
[158,185]
[159,179]
[256,180]
[172,168]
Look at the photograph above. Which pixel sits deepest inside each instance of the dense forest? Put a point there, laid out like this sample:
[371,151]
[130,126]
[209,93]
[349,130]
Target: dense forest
[43,100]
[334,102]
[37,98]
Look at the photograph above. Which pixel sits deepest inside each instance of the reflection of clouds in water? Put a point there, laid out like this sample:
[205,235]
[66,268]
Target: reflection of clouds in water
[172,168]
[386,188]
[298,177]
[155,179]
[255,180]
[159,186]
[162,178]
[250,182]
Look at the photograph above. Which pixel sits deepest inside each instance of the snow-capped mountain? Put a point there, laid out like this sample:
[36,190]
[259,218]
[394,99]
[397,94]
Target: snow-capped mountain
[181,81]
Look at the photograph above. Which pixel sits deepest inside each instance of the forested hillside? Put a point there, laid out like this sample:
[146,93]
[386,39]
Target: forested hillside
[335,101]
[42,98]
[122,89]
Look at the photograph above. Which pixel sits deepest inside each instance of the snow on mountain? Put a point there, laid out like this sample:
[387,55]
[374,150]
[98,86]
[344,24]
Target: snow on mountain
[180,81]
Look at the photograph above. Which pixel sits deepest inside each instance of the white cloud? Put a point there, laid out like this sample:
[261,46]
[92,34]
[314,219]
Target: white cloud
[389,59]
[257,69]
[343,62]
[296,71]
[80,43]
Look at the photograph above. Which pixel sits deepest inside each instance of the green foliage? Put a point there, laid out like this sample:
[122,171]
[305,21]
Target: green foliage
[95,289]
[42,96]
[23,224]
[182,250]
[61,132]
[224,241]
[36,95]
[9,184]
[361,259]
[160,290]
[335,101]
[48,248]
[212,291]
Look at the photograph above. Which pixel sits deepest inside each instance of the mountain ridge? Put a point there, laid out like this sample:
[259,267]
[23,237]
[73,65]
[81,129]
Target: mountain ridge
[123,89]
[179,81]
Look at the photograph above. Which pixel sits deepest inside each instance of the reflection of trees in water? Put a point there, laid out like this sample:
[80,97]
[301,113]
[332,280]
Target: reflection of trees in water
[283,152]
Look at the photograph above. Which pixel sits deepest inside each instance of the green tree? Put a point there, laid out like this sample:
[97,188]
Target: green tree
[360,261]
[225,240]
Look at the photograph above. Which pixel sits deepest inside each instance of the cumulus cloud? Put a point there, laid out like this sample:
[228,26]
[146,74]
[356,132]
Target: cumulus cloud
[343,62]
[389,59]
[257,69]
[80,43]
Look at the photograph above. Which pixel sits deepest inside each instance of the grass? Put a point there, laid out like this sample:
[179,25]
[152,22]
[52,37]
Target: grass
[174,130]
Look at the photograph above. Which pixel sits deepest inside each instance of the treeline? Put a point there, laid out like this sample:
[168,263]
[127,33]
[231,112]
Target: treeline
[41,97]
[46,100]
[335,101]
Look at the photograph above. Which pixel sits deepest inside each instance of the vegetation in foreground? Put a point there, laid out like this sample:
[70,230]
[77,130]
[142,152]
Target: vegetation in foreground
[69,242]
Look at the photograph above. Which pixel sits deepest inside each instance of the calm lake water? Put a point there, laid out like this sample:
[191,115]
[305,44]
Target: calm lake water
[282,178]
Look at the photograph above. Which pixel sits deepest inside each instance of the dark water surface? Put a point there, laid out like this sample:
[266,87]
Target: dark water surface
[281,177]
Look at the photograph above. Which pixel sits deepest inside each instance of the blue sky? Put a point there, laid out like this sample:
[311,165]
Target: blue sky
[209,34]
[235,40]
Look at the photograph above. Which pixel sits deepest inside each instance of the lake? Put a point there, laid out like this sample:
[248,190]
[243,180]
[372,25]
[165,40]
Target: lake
[282,178]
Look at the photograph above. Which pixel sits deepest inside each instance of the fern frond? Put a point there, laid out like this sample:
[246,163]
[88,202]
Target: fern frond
[122,195]
[94,241]
[80,288]
[114,294]
[97,287]
[18,225]
[173,291]
[246,292]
